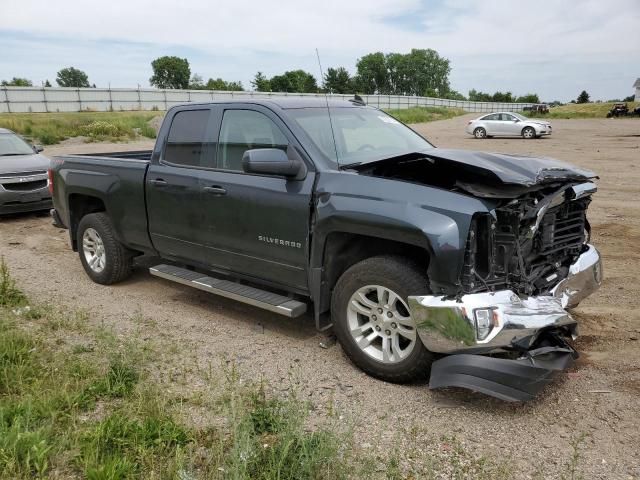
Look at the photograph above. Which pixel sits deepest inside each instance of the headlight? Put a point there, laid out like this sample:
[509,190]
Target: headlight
[484,322]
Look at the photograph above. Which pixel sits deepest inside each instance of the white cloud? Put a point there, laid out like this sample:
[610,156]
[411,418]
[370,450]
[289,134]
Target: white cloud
[492,37]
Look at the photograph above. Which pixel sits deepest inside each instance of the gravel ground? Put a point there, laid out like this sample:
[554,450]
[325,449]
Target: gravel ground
[595,405]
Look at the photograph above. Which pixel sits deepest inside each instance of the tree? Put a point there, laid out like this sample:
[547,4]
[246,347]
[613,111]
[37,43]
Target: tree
[220,84]
[528,98]
[72,77]
[338,80]
[261,83]
[454,95]
[170,72]
[17,82]
[372,76]
[419,72]
[630,98]
[294,81]
[583,97]
[476,96]
[426,70]
[196,82]
[47,83]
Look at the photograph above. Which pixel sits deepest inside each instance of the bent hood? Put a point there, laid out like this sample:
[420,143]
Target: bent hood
[513,169]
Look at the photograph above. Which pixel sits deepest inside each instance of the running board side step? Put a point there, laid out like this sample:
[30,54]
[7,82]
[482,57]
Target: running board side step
[242,293]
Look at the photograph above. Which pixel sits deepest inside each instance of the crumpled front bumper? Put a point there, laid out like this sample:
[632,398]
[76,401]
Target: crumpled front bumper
[529,332]
[449,325]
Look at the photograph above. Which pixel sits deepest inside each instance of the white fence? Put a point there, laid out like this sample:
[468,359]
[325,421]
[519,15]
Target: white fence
[34,99]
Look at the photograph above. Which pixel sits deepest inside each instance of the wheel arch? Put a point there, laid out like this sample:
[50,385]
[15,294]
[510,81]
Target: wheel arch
[343,249]
[81,204]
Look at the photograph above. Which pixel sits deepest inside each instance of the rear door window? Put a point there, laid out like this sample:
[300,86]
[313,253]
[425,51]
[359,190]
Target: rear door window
[191,141]
[493,116]
[244,130]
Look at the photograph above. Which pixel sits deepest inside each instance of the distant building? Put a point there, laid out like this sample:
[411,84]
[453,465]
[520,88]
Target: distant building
[637,87]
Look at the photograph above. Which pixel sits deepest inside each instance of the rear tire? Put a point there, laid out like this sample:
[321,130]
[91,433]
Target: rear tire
[378,334]
[480,133]
[103,257]
[528,133]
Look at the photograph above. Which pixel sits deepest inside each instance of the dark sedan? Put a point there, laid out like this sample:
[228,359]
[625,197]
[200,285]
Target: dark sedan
[23,175]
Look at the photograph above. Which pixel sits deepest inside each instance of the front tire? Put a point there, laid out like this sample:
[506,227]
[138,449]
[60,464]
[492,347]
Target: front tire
[372,320]
[528,133]
[480,133]
[103,257]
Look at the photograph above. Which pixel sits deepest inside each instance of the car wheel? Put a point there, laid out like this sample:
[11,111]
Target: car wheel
[103,257]
[480,133]
[528,132]
[372,320]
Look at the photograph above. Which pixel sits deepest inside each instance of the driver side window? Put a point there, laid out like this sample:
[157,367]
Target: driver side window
[244,130]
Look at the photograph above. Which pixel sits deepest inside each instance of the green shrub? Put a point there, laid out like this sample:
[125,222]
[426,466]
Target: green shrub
[10,295]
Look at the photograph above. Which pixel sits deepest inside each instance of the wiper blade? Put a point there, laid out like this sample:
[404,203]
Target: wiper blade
[12,154]
[408,154]
[349,165]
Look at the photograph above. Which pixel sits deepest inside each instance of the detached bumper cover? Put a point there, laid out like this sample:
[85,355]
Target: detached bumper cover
[510,380]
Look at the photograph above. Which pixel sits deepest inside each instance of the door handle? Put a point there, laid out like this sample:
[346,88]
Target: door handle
[158,182]
[216,190]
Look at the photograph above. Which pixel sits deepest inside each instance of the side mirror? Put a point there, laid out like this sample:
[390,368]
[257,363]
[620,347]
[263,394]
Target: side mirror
[38,148]
[270,161]
[516,120]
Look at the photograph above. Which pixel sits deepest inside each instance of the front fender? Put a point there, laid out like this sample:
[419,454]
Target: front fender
[431,218]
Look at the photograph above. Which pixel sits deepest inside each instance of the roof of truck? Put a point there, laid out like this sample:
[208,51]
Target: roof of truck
[287,102]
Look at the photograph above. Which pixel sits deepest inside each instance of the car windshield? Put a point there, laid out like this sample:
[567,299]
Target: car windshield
[11,144]
[362,135]
[522,118]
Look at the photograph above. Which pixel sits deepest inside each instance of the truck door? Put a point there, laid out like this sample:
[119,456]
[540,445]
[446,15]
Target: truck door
[255,225]
[173,189]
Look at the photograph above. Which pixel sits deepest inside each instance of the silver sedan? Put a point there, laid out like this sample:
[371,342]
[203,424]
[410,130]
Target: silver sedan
[507,124]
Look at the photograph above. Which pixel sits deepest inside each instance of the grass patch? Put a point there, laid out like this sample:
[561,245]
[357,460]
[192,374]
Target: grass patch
[425,114]
[78,401]
[52,128]
[579,110]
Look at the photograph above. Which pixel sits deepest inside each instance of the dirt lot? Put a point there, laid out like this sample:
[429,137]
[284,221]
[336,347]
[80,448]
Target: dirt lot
[595,406]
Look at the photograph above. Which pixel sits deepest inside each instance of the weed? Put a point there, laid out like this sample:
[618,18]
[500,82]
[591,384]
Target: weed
[425,114]
[118,382]
[571,467]
[52,128]
[10,295]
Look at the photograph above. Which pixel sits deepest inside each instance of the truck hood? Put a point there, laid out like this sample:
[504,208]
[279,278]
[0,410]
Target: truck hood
[23,163]
[484,175]
[512,169]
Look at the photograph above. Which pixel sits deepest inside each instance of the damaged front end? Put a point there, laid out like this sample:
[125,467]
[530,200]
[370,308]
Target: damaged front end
[504,326]
[525,263]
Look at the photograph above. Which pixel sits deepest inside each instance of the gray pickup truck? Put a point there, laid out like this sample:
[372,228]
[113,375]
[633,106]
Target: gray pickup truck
[424,261]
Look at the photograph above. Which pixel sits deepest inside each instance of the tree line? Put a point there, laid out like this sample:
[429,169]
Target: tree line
[421,72]
[66,77]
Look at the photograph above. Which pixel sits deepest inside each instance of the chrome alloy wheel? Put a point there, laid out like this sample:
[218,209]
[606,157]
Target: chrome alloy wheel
[381,325]
[528,132]
[93,249]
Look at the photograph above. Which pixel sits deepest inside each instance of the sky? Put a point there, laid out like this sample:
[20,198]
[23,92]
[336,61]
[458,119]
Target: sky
[555,48]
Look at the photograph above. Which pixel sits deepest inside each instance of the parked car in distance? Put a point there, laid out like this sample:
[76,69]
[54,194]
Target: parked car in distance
[23,175]
[618,110]
[507,124]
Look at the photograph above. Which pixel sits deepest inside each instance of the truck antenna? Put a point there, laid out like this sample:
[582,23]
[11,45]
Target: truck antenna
[326,99]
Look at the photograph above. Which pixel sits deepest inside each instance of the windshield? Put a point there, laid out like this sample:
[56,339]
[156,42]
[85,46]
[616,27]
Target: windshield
[362,135]
[522,118]
[11,144]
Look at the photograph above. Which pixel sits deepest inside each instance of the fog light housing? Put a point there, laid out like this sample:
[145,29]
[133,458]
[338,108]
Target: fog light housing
[484,322]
